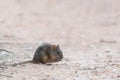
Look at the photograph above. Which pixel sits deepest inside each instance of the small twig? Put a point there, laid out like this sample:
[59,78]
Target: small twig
[5,75]
[5,51]
[91,68]
[106,41]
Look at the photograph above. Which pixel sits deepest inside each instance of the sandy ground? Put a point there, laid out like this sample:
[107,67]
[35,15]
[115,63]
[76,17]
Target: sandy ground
[88,32]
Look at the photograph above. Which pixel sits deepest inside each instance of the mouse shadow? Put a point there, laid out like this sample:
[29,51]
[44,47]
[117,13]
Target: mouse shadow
[50,64]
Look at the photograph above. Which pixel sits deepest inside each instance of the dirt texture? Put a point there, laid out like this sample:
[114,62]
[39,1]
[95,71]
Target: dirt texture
[88,32]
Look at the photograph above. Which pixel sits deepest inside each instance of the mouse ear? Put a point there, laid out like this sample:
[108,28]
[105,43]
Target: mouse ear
[53,47]
[57,46]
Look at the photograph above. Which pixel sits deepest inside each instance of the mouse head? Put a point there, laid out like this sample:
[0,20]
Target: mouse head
[56,51]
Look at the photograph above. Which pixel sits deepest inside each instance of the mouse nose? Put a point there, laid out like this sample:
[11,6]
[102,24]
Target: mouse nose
[61,55]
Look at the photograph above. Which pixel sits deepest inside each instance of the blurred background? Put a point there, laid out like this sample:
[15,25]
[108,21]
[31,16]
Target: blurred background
[88,32]
[68,22]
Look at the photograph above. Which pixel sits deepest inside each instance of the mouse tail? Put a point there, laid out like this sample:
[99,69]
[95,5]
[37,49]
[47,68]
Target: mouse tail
[20,63]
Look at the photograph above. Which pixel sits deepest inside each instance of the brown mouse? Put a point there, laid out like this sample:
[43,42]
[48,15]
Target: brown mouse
[45,53]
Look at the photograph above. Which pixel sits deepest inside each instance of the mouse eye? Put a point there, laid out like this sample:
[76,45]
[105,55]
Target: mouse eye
[57,52]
